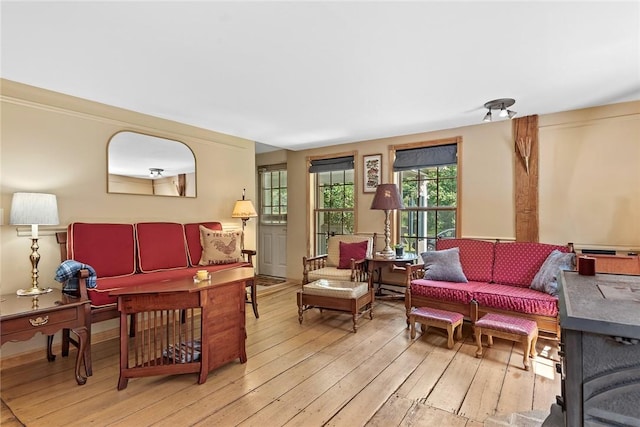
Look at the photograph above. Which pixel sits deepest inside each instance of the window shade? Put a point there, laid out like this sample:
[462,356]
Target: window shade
[415,158]
[328,165]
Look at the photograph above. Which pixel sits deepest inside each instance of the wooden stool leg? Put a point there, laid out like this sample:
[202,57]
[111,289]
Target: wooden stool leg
[526,344]
[478,332]
[450,336]
[355,328]
[533,352]
[412,325]
[459,336]
[489,340]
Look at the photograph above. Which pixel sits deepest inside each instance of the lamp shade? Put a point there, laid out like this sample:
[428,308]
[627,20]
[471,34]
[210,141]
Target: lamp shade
[34,209]
[387,198]
[244,209]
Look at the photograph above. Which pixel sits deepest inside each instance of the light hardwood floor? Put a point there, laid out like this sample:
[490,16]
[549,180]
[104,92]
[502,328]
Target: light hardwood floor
[317,373]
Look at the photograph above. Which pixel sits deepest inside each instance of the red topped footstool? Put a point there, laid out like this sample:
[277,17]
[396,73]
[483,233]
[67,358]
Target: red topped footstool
[427,316]
[510,328]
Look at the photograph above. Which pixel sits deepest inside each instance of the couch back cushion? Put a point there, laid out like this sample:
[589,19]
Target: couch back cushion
[476,257]
[516,263]
[333,246]
[161,246]
[108,248]
[192,233]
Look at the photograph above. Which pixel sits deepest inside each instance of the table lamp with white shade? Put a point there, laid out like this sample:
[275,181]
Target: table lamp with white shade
[34,209]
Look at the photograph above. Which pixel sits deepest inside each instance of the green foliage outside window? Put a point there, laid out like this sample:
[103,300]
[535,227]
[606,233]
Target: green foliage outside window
[430,197]
[335,201]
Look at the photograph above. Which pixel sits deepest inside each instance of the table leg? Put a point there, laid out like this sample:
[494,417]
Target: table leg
[81,332]
[124,349]
[50,356]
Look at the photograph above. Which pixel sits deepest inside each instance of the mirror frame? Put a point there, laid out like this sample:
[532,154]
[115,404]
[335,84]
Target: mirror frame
[133,177]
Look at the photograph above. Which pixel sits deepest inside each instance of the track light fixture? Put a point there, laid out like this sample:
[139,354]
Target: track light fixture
[501,104]
[155,172]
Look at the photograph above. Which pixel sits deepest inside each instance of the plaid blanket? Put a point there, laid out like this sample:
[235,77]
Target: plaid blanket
[67,273]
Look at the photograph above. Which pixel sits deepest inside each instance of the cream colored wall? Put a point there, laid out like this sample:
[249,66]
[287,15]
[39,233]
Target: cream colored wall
[590,177]
[487,169]
[57,144]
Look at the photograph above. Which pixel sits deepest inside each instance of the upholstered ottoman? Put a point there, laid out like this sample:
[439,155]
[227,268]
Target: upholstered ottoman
[350,297]
[510,328]
[438,318]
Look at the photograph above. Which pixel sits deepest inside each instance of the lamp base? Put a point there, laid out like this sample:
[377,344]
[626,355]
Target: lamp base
[33,291]
[387,253]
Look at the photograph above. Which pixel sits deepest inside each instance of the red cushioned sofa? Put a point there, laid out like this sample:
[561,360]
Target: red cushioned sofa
[498,274]
[126,255]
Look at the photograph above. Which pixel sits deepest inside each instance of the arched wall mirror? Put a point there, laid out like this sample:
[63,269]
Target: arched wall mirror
[144,164]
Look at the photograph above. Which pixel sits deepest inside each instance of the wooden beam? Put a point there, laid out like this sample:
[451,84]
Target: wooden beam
[525,156]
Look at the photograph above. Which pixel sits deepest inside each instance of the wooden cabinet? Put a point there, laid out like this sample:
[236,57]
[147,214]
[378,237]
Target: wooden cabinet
[182,326]
[620,263]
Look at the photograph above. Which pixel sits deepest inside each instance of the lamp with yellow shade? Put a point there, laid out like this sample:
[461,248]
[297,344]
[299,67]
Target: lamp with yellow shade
[244,210]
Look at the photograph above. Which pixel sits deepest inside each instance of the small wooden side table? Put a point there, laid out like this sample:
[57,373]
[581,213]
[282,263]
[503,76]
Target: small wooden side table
[375,264]
[22,317]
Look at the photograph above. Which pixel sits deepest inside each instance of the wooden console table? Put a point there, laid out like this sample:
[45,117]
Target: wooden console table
[182,326]
[22,317]
[620,263]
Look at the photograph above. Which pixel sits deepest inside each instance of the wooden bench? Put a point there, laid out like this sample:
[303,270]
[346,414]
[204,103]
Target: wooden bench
[510,328]
[427,316]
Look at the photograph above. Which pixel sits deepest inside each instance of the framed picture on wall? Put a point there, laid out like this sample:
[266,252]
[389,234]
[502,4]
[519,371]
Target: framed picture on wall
[372,166]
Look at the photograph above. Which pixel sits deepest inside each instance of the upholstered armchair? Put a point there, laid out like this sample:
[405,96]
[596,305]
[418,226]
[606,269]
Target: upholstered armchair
[339,262]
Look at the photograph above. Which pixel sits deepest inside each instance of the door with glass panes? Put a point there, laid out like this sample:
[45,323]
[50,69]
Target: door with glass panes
[272,238]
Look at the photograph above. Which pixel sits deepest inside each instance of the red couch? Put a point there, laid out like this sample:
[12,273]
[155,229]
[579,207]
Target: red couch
[498,274]
[132,254]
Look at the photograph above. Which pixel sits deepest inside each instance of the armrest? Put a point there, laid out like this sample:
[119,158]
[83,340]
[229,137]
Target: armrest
[250,254]
[310,264]
[82,284]
[359,270]
[415,271]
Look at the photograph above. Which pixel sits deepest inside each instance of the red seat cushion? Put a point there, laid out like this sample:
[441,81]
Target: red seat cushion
[509,324]
[476,257]
[517,299]
[445,291]
[437,314]
[516,263]
[161,246]
[108,248]
[192,233]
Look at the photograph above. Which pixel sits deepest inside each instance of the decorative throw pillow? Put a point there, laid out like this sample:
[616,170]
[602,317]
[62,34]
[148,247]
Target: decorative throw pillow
[220,247]
[545,279]
[356,251]
[443,265]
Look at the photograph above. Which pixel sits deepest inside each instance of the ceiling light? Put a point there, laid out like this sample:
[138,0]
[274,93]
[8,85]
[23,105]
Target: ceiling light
[501,104]
[503,112]
[155,172]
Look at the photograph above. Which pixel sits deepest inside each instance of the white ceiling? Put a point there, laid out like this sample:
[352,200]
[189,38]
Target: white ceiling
[298,75]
